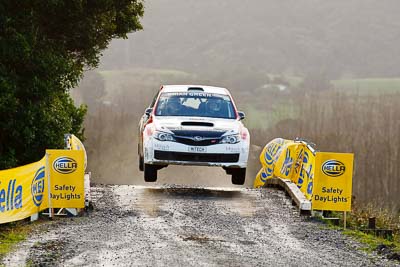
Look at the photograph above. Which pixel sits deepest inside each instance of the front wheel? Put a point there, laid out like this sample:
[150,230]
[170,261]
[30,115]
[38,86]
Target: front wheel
[238,176]
[150,173]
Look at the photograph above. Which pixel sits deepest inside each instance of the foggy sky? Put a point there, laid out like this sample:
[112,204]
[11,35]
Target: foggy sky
[358,38]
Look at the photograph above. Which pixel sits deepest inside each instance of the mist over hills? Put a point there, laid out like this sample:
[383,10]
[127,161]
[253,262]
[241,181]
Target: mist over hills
[344,38]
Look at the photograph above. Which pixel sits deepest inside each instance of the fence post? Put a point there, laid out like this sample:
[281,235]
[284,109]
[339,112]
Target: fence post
[372,223]
[49,184]
[34,217]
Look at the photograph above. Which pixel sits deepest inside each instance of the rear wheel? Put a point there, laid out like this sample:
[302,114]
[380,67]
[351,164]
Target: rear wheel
[238,176]
[150,173]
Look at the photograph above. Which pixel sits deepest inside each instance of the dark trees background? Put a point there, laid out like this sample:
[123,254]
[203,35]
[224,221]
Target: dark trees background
[44,48]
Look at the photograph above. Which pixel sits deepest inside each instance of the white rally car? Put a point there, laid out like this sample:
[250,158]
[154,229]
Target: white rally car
[193,125]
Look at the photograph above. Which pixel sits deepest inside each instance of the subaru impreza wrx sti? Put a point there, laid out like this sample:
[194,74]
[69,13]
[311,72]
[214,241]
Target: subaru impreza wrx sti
[193,125]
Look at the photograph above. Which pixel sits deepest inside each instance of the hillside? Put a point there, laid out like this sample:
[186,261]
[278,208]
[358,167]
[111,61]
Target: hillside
[357,38]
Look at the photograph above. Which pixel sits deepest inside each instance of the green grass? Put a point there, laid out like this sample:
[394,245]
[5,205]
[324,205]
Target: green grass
[363,86]
[294,80]
[10,237]
[260,119]
[370,241]
[369,86]
[255,118]
[356,220]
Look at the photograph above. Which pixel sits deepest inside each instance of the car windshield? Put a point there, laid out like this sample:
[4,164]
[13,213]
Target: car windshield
[196,104]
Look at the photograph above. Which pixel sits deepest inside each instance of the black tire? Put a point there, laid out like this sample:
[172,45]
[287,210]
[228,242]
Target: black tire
[150,173]
[141,163]
[228,171]
[238,176]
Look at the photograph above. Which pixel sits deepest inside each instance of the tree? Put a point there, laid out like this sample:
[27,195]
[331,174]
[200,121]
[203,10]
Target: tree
[44,48]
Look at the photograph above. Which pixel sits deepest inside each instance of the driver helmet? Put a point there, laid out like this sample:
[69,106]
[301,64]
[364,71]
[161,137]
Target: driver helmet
[174,105]
[214,105]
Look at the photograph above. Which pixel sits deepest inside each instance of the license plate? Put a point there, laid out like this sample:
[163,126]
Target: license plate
[197,149]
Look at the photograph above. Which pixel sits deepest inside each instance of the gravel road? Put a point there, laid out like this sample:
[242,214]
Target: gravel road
[178,226]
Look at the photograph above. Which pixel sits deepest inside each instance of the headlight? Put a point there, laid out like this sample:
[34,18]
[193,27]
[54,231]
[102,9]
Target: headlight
[230,139]
[163,136]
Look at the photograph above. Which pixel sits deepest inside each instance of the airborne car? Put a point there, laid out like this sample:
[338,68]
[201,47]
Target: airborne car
[193,125]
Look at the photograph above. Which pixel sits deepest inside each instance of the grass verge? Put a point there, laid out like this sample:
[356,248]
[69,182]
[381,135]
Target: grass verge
[11,235]
[357,223]
[372,242]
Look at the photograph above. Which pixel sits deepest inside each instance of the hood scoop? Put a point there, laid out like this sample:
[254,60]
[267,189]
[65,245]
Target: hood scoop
[197,123]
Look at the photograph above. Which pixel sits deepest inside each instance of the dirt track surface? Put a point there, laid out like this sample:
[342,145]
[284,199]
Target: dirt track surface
[177,226]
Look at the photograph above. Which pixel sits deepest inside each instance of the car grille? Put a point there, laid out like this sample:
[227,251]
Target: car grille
[187,137]
[192,142]
[196,157]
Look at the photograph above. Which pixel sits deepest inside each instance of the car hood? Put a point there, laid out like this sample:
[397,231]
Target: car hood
[196,124]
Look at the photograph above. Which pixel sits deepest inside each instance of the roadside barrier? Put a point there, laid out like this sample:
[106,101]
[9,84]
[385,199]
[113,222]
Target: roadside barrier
[55,181]
[322,178]
[73,143]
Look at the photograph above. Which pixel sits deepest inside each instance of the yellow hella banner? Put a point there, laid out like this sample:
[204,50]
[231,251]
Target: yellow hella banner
[333,181]
[66,178]
[287,159]
[73,143]
[24,191]
[324,178]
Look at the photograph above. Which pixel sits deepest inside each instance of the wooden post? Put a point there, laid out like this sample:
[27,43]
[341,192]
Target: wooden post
[344,220]
[372,223]
[49,184]
[34,217]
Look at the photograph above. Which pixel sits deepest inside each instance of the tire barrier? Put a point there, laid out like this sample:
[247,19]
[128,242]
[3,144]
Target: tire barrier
[323,178]
[55,181]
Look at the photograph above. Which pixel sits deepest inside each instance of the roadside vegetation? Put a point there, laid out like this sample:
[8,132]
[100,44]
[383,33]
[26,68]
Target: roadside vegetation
[10,235]
[377,228]
[387,248]
[42,61]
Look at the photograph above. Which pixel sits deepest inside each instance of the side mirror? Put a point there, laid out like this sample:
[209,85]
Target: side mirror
[242,115]
[148,111]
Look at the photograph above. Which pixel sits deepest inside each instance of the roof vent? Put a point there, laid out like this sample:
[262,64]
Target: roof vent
[195,89]
[197,123]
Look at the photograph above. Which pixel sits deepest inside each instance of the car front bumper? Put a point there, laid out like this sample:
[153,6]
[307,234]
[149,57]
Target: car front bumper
[173,153]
